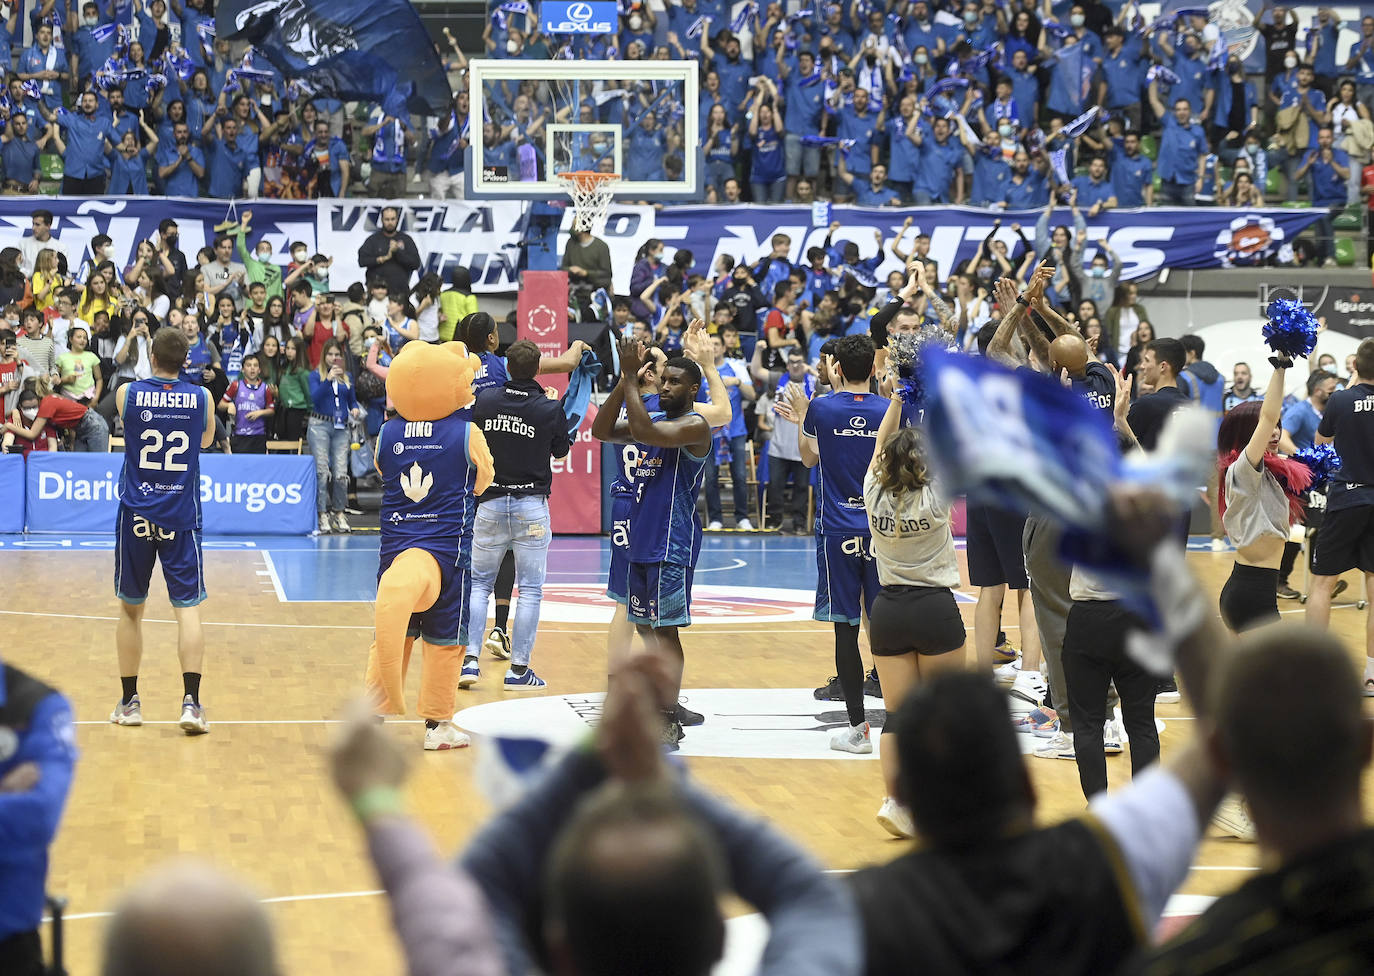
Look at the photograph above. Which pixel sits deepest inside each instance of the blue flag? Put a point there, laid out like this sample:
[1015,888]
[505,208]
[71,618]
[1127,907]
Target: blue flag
[369,50]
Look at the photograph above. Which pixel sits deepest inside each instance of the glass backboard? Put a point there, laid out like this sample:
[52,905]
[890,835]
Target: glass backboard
[635,118]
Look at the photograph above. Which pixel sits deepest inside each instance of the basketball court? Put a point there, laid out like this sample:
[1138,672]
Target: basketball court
[288,628]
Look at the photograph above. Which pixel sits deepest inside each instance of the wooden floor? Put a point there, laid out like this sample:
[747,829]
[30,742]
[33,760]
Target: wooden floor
[255,797]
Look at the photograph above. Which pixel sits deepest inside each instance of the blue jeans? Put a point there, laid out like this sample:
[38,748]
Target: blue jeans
[768,192]
[521,523]
[330,449]
[1324,230]
[738,485]
[717,172]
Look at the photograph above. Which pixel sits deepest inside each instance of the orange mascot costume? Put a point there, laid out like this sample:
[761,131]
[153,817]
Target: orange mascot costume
[434,464]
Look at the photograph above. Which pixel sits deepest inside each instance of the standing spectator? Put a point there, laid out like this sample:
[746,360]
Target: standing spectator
[1330,169]
[524,430]
[249,402]
[129,164]
[1280,37]
[940,178]
[1133,173]
[42,223]
[767,172]
[333,164]
[19,154]
[730,441]
[45,63]
[1097,282]
[390,253]
[86,139]
[168,236]
[458,301]
[587,260]
[231,158]
[258,266]
[390,137]
[1301,110]
[1301,419]
[13,371]
[36,344]
[80,370]
[1182,151]
[1160,364]
[222,276]
[293,391]
[803,101]
[35,777]
[333,403]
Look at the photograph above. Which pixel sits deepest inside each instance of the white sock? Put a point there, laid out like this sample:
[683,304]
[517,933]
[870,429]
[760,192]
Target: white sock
[1369,666]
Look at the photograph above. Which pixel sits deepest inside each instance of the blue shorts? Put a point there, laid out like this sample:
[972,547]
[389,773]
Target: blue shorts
[660,594]
[846,578]
[618,577]
[445,624]
[139,544]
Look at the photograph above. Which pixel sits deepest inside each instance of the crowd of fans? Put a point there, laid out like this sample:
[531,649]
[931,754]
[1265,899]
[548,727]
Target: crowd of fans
[288,354]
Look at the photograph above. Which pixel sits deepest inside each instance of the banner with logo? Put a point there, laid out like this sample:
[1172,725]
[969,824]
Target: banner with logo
[12,492]
[257,494]
[481,236]
[575,505]
[541,316]
[1145,240]
[578,17]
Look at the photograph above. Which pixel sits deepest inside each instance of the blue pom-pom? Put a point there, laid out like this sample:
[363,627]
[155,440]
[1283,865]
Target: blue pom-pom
[1291,330]
[1323,461]
[911,390]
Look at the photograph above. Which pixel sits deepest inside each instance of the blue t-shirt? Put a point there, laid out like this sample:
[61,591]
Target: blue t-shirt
[1130,176]
[86,141]
[735,428]
[416,455]
[181,182]
[663,523]
[492,373]
[767,166]
[1028,194]
[845,426]
[1090,192]
[1300,420]
[163,424]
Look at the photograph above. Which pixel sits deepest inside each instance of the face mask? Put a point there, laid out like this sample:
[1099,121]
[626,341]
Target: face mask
[1290,63]
[970,18]
[91,21]
[921,59]
[636,22]
[1098,272]
[264,255]
[1004,130]
[512,47]
[1076,20]
[298,256]
[30,414]
[985,273]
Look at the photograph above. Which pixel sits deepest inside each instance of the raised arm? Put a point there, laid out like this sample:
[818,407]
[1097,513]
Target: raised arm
[696,345]
[1270,413]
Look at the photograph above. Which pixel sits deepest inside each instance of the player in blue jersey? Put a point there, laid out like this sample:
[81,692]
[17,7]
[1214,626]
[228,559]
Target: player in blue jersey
[695,343]
[838,434]
[664,532]
[167,422]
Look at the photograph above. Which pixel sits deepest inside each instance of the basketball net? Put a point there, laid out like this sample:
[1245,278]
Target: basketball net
[591,196]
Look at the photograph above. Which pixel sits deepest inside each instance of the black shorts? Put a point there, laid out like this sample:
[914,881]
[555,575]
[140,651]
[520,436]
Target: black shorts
[1250,598]
[924,619]
[1345,542]
[993,540]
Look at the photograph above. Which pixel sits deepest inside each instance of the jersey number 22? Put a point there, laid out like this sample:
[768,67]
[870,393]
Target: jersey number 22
[171,447]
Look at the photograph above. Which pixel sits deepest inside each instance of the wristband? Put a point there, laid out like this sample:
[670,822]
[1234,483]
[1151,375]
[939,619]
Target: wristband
[1021,300]
[376,800]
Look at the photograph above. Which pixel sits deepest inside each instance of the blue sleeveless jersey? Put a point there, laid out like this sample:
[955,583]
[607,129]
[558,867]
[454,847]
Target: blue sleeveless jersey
[845,426]
[427,488]
[623,482]
[663,524]
[491,374]
[163,424]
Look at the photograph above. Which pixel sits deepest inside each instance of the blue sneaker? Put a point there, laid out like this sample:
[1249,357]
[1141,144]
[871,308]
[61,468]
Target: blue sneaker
[529,681]
[470,673]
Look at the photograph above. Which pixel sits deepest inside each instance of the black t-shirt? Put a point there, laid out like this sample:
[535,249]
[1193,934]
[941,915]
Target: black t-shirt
[744,301]
[1278,41]
[1349,419]
[1044,901]
[1149,413]
[1310,916]
[1098,387]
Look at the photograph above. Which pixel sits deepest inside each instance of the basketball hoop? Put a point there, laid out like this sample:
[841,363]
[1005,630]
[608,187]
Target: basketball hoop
[591,194]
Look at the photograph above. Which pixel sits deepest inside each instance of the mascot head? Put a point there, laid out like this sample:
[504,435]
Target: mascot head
[428,382]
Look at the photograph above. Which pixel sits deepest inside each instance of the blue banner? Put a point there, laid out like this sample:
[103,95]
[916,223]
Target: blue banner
[252,494]
[1146,240]
[371,50]
[12,493]
[578,16]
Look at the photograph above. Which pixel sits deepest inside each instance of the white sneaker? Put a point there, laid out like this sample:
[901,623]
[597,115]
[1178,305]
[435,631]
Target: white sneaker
[1030,686]
[894,818]
[1233,820]
[325,527]
[1219,545]
[744,525]
[714,526]
[1007,673]
[193,718]
[341,523]
[854,739]
[1369,684]
[1060,746]
[1111,737]
[445,735]
[128,713]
